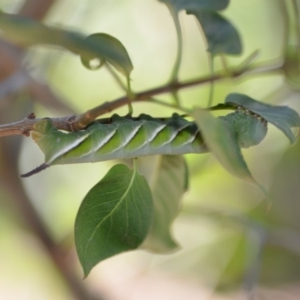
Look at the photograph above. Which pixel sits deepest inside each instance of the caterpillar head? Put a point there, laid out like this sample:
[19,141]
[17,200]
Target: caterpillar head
[250,128]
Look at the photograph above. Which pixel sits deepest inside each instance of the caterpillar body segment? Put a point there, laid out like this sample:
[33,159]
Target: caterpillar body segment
[122,138]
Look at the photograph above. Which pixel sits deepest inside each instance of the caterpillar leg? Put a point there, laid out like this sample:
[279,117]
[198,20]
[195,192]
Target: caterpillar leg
[36,170]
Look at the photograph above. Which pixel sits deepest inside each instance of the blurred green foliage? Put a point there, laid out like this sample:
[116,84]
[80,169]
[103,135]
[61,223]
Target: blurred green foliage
[228,237]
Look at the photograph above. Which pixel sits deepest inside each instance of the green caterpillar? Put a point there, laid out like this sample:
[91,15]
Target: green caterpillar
[126,137]
[120,138]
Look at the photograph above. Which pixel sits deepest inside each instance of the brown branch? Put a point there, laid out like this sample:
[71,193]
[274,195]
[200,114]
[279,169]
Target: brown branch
[84,119]
[74,123]
[24,126]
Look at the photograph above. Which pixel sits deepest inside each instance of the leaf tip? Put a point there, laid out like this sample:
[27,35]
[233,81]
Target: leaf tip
[86,273]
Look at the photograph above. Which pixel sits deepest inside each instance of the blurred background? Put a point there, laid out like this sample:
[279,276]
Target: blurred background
[232,246]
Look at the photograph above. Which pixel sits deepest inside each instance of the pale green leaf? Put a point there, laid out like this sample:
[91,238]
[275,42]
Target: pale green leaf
[115,216]
[27,32]
[222,37]
[283,117]
[221,139]
[168,184]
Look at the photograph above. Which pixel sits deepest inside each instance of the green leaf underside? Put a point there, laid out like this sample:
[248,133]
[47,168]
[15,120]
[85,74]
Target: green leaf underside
[250,129]
[168,186]
[28,32]
[115,216]
[197,4]
[222,37]
[221,139]
[283,117]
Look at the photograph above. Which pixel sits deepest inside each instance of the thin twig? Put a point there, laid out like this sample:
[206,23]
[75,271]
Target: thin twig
[116,77]
[160,102]
[296,20]
[24,126]
[74,123]
[176,67]
[84,119]
[212,83]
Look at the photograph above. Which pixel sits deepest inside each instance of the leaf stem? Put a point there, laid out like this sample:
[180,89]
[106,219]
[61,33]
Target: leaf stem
[116,77]
[160,102]
[130,97]
[297,22]
[135,165]
[176,67]
[249,60]
[224,63]
[212,85]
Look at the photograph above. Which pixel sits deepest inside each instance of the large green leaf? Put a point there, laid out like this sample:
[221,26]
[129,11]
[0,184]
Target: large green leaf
[222,37]
[28,32]
[283,117]
[221,139]
[196,5]
[168,184]
[115,216]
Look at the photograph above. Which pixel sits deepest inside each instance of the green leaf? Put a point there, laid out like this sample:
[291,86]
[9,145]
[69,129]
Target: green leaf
[197,4]
[221,139]
[168,184]
[283,117]
[221,35]
[110,41]
[27,32]
[115,216]
[250,128]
